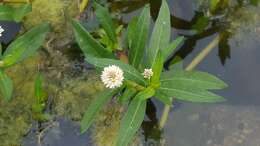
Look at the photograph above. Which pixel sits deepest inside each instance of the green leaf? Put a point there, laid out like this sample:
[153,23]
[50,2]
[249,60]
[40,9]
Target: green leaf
[163,97]
[91,112]
[214,5]
[157,69]
[88,44]
[161,33]
[127,95]
[131,31]
[254,2]
[133,118]
[106,22]
[20,12]
[172,46]
[201,24]
[130,73]
[6,86]
[139,34]
[38,87]
[26,45]
[1,51]
[10,13]
[190,94]
[176,64]
[191,86]
[191,79]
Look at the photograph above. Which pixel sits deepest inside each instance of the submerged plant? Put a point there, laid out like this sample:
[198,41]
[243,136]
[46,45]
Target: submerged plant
[144,77]
[39,106]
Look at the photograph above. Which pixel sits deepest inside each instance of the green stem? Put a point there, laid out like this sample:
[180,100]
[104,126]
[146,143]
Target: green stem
[202,55]
[134,85]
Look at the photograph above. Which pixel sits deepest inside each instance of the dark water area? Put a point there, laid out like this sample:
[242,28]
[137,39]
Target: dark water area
[8,25]
[235,60]
[61,132]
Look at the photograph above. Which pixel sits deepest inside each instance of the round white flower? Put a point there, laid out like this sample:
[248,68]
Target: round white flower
[112,76]
[1,31]
[148,73]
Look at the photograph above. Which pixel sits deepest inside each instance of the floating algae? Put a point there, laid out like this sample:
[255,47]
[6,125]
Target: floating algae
[56,12]
[245,21]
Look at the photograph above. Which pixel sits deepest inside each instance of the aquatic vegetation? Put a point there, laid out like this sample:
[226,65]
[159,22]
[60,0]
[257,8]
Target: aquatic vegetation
[136,89]
[20,49]
[41,98]
[75,94]
[56,12]
[16,115]
[245,19]
[12,13]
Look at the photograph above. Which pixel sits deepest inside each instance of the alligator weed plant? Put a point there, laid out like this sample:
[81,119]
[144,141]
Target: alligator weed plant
[139,75]
[21,48]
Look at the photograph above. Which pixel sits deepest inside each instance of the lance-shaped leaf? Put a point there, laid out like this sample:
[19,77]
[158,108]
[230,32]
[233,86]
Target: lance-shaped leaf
[172,46]
[91,112]
[106,22]
[16,14]
[190,94]
[39,92]
[191,79]
[161,33]
[133,118]
[6,86]
[130,73]
[139,34]
[157,68]
[26,45]
[88,44]
[191,86]
[131,31]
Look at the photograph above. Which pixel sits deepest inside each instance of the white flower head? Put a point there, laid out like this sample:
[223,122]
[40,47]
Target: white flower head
[112,76]
[148,73]
[1,31]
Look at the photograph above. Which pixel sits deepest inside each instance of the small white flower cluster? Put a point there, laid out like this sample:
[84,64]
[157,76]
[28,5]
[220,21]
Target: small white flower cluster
[1,31]
[112,76]
[148,73]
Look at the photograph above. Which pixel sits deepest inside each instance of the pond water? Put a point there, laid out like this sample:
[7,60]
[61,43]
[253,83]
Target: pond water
[235,60]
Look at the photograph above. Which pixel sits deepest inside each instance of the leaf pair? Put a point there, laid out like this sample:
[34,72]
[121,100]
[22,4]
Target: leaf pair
[87,43]
[20,49]
[138,31]
[191,86]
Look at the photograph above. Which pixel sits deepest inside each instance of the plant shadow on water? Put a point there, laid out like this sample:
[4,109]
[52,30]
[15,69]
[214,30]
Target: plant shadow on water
[232,123]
